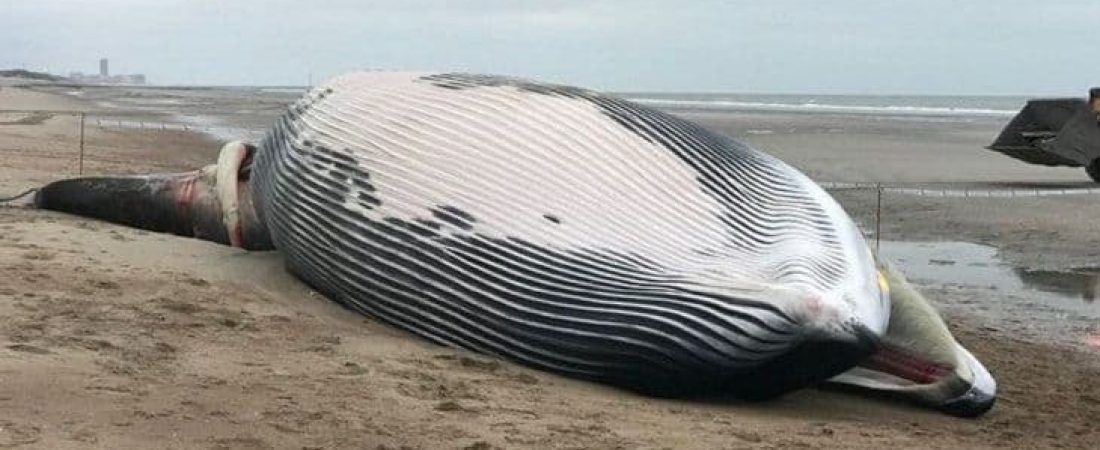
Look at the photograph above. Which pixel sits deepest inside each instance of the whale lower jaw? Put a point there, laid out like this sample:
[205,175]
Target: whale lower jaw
[964,391]
[919,360]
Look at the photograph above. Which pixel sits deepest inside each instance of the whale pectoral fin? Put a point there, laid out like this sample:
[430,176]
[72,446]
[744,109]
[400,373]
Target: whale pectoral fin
[920,360]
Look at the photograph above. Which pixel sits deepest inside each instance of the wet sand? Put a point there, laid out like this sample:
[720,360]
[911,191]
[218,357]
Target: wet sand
[120,338]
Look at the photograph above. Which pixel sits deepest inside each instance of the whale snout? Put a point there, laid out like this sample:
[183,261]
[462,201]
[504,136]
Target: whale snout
[982,391]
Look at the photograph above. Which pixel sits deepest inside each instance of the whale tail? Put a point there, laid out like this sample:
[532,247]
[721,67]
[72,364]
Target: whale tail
[213,203]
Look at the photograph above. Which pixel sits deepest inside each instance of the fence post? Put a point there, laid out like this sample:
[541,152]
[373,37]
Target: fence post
[878,217]
[80,163]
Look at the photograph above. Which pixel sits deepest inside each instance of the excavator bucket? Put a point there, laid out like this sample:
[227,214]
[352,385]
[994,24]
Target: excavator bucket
[1054,132]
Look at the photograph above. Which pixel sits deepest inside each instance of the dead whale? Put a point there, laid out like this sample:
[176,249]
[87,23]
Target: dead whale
[562,229]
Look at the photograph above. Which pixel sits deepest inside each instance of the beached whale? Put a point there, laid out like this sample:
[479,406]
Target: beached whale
[563,229]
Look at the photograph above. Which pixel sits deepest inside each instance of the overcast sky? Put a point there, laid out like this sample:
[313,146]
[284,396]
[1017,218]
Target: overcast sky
[1027,47]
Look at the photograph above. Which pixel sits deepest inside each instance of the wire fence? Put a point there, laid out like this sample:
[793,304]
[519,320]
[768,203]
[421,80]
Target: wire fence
[120,124]
[134,141]
[109,142]
[963,190]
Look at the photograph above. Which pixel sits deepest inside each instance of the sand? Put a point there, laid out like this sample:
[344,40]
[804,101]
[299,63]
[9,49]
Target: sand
[120,338]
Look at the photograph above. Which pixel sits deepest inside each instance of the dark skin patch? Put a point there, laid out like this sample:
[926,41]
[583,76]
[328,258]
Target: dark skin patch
[454,216]
[429,224]
[367,200]
[463,81]
[360,181]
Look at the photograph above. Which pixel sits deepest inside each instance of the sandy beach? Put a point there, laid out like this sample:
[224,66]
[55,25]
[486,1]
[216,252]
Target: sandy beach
[120,338]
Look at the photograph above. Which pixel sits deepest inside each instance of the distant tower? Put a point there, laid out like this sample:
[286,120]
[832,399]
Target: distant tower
[103,71]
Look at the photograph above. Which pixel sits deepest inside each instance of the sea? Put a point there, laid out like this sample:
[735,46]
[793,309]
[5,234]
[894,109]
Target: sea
[199,108]
[923,105]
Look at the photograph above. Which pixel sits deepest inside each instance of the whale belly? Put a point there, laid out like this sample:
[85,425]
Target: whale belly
[559,228]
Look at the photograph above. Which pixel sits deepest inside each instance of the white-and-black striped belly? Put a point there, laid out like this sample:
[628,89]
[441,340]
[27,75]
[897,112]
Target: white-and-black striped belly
[550,225]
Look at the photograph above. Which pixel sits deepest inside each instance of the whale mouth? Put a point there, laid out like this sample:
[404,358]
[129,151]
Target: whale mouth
[905,366]
[965,390]
[918,359]
[213,203]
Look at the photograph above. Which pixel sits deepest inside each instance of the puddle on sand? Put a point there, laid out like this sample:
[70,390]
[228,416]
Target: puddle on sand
[974,265]
[1077,283]
[1057,304]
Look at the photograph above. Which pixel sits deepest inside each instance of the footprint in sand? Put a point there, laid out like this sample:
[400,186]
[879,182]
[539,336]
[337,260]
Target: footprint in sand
[14,434]
[25,348]
[39,255]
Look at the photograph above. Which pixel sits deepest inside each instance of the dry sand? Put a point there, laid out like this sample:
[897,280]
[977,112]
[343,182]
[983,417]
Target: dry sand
[119,338]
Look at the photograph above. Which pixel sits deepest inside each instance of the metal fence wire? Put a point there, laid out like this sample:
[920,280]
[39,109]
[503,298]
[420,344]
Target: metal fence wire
[109,142]
[119,142]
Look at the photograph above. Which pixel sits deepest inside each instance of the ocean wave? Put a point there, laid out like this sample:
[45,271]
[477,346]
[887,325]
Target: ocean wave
[285,90]
[821,107]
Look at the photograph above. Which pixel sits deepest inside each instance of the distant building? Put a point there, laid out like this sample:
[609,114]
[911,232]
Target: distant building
[105,76]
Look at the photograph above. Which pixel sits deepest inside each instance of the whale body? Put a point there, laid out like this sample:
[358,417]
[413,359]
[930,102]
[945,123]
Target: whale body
[566,230]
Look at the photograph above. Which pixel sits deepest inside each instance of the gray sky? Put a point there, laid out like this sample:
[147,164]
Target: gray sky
[1028,47]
